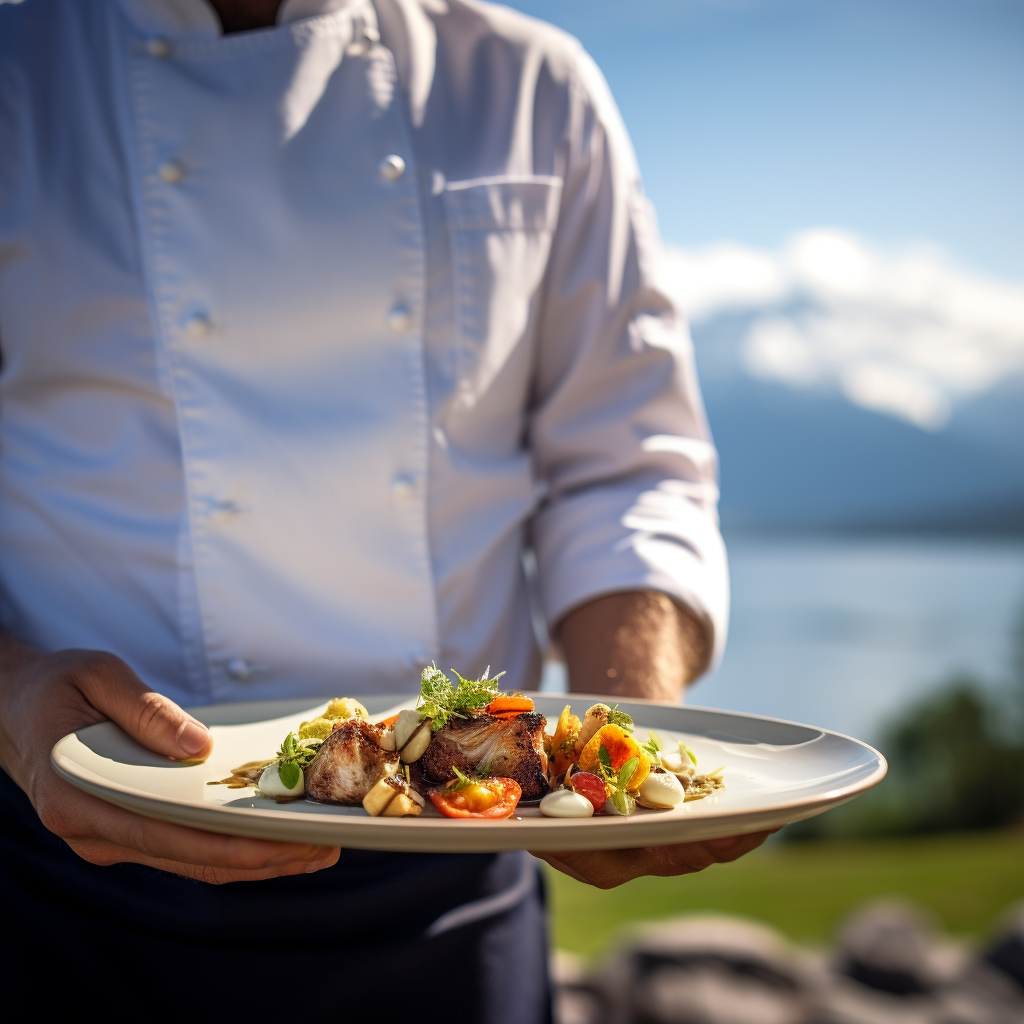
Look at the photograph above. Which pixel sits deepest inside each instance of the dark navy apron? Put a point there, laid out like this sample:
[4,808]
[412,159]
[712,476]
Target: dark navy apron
[410,937]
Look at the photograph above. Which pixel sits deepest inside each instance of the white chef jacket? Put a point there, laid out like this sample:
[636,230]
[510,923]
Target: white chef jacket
[308,333]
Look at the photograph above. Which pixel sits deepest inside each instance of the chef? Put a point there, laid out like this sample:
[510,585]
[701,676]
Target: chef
[331,347]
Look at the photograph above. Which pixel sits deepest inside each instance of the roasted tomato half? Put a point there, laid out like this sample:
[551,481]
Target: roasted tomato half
[483,798]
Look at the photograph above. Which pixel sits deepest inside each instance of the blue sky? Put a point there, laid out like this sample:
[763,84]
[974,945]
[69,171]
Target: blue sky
[900,120]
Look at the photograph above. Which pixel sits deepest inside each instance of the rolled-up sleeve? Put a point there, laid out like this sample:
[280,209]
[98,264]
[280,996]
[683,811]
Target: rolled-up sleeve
[618,431]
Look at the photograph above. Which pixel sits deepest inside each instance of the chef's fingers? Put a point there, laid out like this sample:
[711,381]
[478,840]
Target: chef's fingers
[606,869]
[686,857]
[104,834]
[114,690]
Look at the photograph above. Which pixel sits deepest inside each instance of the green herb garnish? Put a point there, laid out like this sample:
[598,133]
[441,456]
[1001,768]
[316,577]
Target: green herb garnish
[289,773]
[293,756]
[653,746]
[686,752]
[441,700]
[625,803]
[620,718]
[298,750]
[462,780]
[616,782]
[627,771]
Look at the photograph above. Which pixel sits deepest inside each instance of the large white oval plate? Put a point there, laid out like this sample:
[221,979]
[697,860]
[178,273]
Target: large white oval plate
[775,772]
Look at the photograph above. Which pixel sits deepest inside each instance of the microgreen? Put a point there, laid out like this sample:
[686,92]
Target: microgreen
[653,745]
[441,700]
[685,752]
[616,783]
[627,771]
[301,751]
[293,756]
[462,780]
[620,718]
[625,803]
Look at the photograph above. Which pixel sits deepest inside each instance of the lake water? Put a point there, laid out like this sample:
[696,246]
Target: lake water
[843,633]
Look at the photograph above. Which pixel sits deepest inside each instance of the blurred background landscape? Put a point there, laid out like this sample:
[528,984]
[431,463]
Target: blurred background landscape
[838,185]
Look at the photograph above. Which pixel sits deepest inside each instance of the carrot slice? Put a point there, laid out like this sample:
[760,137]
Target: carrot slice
[388,722]
[509,704]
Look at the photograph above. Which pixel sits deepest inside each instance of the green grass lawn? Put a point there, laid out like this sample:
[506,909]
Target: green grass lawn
[805,889]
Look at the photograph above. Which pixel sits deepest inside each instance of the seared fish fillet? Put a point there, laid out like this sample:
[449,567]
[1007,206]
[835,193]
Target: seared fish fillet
[512,748]
[349,763]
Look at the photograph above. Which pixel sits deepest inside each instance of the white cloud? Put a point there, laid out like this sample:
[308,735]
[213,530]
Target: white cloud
[897,391]
[906,333]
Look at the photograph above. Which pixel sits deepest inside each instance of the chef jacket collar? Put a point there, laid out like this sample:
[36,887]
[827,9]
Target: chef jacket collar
[197,18]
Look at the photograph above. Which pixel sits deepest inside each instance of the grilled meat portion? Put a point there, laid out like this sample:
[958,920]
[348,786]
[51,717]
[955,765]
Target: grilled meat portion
[349,763]
[511,748]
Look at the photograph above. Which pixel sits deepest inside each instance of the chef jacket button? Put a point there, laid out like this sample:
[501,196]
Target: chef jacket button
[403,486]
[238,669]
[224,509]
[198,326]
[392,167]
[172,172]
[158,48]
[399,318]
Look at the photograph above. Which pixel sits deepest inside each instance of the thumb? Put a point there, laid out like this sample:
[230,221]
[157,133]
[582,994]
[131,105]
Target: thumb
[114,690]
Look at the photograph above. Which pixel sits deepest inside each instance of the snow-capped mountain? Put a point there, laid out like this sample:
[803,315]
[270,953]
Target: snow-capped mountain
[849,388]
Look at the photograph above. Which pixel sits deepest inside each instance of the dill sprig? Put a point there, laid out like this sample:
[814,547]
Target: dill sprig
[442,700]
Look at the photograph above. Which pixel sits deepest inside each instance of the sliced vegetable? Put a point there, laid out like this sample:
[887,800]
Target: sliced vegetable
[410,736]
[509,704]
[388,722]
[563,743]
[477,798]
[393,797]
[591,786]
[619,749]
[594,719]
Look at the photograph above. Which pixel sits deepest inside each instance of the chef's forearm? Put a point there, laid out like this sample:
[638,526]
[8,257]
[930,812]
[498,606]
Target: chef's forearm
[639,643]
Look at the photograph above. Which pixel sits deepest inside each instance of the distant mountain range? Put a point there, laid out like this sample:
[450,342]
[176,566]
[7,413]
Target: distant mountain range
[848,411]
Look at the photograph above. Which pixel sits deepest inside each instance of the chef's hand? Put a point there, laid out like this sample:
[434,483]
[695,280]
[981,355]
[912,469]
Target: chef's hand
[639,644]
[609,868]
[46,696]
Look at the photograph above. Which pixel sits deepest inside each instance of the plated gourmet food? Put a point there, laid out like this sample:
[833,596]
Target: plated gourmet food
[471,750]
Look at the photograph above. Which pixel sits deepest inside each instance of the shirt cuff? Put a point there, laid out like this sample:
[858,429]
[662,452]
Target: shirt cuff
[610,539]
